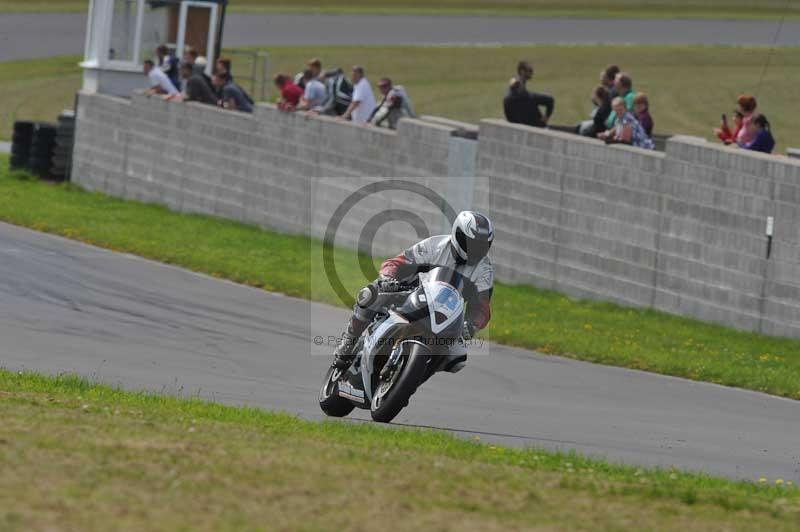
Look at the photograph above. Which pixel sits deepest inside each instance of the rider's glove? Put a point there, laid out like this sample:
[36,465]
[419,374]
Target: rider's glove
[469,330]
[388,284]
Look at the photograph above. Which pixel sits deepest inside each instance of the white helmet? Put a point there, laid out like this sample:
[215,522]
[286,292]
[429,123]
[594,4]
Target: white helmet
[471,236]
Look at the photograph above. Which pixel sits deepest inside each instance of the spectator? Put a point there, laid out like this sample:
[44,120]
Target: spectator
[724,131]
[190,57]
[641,110]
[290,93]
[195,88]
[394,105]
[363,103]
[159,82]
[168,64]
[524,73]
[339,93]
[314,95]
[607,78]
[602,108]
[225,63]
[522,107]
[759,131]
[746,104]
[623,87]
[231,97]
[626,129]
[315,65]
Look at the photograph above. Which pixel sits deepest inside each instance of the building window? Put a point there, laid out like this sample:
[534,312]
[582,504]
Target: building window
[122,41]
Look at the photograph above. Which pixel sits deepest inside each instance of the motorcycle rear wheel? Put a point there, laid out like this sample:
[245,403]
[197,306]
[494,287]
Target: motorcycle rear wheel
[392,396]
[329,400]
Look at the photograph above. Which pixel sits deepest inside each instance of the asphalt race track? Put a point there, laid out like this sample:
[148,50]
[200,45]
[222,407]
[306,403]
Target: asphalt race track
[68,307]
[27,36]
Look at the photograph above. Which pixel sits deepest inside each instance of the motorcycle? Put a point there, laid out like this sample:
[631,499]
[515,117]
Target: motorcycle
[416,332]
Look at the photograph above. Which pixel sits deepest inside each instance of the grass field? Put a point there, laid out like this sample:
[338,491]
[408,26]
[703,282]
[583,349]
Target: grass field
[78,457]
[742,9]
[522,316]
[689,86]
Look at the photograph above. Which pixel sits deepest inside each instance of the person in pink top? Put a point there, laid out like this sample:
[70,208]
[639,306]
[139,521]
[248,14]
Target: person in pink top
[746,104]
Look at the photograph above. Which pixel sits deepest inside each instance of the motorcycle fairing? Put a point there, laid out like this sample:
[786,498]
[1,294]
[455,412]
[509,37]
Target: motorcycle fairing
[445,304]
[371,342]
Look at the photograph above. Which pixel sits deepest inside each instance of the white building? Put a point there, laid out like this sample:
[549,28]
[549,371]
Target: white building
[121,34]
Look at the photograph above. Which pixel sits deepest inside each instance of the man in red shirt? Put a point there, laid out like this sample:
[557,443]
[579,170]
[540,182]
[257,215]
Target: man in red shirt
[290,93]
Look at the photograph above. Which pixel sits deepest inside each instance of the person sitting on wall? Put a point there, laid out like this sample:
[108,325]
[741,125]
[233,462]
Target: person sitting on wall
[363,103]
[522,107]
[626,130]
[524,73]
[602,108]
[623,85]
[290,93]
[724,132]
[231,96]
[641,110]
[761,135]
[159,82]
[195,88]
[746,104]
[168,64]
[314,94]
[394,105]
[607,78]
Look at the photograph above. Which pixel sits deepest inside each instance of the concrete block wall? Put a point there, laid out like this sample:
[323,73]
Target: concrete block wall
[572,214]
[682,231]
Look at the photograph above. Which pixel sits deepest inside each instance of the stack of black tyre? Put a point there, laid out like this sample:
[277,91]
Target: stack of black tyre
[62,151]
[42,144]
[21,145]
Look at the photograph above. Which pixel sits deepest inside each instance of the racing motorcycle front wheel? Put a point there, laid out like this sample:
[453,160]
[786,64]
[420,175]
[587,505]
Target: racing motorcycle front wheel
[397,386]
[329,399]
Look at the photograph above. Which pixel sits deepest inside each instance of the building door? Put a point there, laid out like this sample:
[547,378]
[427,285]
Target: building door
[197,27]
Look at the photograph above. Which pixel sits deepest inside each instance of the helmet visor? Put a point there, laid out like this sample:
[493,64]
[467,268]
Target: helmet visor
[477,248]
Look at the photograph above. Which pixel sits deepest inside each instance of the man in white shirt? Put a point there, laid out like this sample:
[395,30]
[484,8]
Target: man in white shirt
[363,102]
[159,82]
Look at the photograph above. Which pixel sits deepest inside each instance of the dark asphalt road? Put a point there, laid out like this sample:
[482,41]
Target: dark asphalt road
[24,36]
[69,307]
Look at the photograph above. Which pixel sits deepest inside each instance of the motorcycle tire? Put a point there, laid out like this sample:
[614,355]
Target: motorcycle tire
[329,400]
[385,407]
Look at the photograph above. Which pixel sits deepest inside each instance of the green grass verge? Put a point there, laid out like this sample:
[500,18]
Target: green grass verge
[689,86]
[712,9]
[522,316]
[78,456]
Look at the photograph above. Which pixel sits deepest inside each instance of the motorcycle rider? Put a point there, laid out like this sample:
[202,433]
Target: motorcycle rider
[465,251]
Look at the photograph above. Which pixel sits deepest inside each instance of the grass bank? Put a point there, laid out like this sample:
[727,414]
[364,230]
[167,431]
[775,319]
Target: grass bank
[522,316]
[689,86]
[711,9]
[77,456]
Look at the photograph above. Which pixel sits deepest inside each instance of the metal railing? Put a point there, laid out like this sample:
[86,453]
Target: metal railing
[251,71]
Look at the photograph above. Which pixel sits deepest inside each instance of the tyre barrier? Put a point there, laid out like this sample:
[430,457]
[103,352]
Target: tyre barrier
[61,157]
[44,149]
[21,139]
[41,151]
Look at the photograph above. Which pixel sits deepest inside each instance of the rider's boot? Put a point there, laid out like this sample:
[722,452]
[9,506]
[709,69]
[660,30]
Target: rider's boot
[344,355]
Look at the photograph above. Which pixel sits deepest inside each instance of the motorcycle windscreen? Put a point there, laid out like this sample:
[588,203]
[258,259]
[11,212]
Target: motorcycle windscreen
[445,305]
